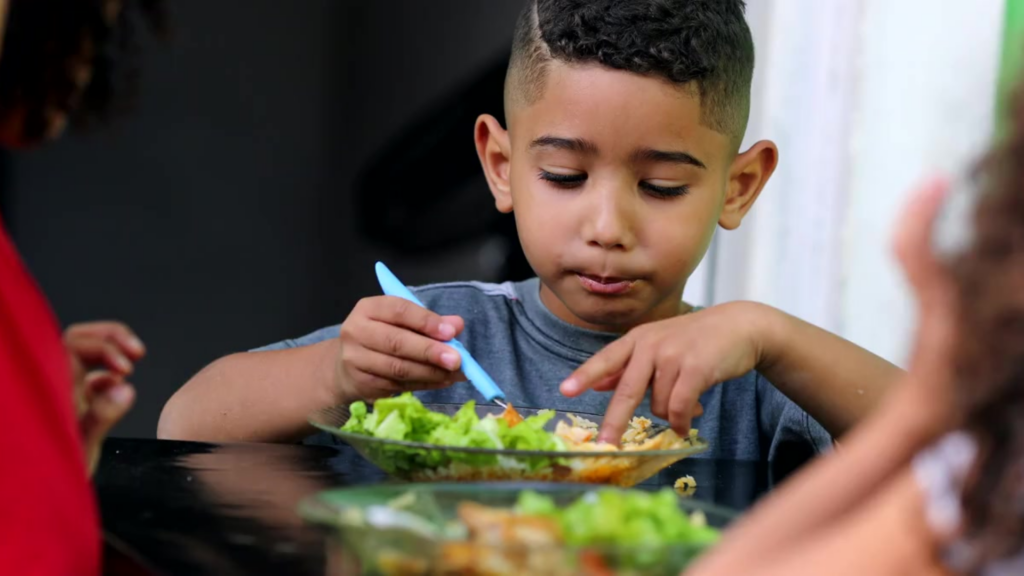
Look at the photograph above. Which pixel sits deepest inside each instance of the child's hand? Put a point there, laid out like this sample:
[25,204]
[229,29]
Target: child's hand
[102,355]
[931,360]
[390,345]
[678,358]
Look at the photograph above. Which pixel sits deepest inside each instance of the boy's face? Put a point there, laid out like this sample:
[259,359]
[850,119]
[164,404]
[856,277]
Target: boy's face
[616,188]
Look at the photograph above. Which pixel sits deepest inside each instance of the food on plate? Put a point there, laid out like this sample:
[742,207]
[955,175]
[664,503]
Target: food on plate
[405,418]
[413,442]
[603,532]
[641,434]
[685,485]
[510,416]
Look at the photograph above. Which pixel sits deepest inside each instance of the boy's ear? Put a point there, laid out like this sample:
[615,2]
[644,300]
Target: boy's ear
[749,173]
[494,150]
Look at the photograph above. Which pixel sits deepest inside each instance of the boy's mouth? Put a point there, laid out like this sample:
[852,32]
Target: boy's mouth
[604,285]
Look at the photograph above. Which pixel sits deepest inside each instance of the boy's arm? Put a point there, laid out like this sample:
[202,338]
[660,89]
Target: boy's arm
[254,396]
[386,346]
[837,382]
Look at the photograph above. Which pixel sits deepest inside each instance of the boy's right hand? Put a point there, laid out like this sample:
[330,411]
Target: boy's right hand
[390,345]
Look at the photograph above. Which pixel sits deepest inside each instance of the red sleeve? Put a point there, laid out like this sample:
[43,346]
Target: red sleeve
[48,519]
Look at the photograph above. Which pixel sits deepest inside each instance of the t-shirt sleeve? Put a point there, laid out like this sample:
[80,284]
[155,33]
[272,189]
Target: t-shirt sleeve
[311,338]
[790,437]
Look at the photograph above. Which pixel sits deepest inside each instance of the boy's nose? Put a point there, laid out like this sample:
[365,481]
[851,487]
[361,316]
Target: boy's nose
[610,223]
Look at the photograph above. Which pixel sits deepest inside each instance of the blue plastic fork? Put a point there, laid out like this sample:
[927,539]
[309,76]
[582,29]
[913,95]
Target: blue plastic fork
[483,382]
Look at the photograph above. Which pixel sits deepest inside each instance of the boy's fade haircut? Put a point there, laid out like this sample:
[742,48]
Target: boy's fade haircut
[704,45]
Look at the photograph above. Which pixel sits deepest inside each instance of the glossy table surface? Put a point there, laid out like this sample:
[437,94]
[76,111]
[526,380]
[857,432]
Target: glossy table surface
[188,508]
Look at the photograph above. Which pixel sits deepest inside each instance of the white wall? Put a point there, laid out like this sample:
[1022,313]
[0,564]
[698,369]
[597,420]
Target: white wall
[864,98]
[926,105]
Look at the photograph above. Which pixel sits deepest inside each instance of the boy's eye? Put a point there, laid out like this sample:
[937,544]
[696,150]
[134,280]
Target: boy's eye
[575,180]
[664,191]
[563,180]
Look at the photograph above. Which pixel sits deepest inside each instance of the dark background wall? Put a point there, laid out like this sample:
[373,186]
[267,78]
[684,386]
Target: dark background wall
[219,215]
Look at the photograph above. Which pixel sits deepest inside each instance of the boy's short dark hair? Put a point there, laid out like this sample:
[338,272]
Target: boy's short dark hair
[704,42]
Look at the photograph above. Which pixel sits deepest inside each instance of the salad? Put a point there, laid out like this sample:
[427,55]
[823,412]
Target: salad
[408,440]
[405,418]
[602,532]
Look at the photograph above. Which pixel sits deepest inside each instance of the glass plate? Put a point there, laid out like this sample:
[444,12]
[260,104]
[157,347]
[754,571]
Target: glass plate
[358,545]
[419,462]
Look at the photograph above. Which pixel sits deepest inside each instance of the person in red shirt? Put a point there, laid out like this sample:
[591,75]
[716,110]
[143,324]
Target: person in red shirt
[59,394]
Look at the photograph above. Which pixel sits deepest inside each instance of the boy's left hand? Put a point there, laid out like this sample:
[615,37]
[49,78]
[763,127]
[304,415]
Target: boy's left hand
[678,358]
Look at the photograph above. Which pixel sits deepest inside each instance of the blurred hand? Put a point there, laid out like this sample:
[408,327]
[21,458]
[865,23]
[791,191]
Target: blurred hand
[103,355]
[931,362]
[390,345]
[824,497]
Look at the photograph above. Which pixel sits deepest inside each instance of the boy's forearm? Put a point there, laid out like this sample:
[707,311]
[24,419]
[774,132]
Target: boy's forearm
[835,381]
[254,396]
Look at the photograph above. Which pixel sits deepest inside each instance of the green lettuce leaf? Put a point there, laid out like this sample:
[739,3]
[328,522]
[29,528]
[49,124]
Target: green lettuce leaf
[645,521]
[357,417]
[405,418]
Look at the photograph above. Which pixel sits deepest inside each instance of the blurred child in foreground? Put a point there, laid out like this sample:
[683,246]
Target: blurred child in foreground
[933,482]
[58,396]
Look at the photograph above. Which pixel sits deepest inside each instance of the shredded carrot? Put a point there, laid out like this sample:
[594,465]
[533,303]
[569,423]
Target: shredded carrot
[511,416]
[593,564]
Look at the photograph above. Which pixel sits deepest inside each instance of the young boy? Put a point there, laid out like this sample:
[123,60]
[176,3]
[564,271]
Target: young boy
[619,159]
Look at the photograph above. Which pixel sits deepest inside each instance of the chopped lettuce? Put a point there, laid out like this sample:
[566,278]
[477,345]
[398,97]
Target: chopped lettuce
[533,504]
[405,418]
[393,428]
[645,521]
[530,434]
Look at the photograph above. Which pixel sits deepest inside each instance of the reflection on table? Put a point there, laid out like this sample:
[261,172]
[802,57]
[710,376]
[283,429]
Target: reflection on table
[189,508]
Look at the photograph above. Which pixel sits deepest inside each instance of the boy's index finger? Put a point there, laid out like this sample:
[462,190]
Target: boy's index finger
[608,362]
[403,313]
[628,396]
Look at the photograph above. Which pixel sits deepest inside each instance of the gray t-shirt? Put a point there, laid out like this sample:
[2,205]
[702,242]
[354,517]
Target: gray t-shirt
[529,352]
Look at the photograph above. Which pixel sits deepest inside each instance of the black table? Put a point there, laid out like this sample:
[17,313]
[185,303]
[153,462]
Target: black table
[186,508]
